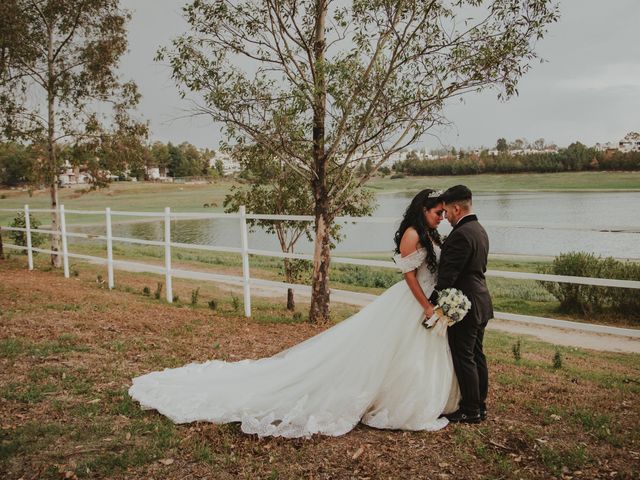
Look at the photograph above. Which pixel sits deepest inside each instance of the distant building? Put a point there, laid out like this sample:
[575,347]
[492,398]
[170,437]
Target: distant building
[630,143]
[524,151]
[157,173]
[72,175]
[229,165]
[606,147]
[395,158]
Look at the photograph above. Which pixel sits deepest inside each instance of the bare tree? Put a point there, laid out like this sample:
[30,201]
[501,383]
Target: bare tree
[324,83]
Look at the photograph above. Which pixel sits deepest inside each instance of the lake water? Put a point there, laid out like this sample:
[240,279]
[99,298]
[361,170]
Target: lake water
[577,222]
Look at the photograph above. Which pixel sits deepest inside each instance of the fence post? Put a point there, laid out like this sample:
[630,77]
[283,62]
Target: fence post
[27,226]
[167,253]
[65,249]
[244,241]
[109,248]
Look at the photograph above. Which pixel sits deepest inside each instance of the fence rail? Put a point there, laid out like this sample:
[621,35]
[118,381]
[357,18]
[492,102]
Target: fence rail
[245,251]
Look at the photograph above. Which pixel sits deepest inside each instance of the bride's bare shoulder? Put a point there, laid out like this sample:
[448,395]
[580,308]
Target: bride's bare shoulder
[410,242]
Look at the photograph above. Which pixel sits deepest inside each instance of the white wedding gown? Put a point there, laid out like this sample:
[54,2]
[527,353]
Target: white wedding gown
[380,367]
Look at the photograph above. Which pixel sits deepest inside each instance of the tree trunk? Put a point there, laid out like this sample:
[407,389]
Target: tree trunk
[56,260]
[288,275]
[291,304]
[320,294]
[1,247]
[319,311]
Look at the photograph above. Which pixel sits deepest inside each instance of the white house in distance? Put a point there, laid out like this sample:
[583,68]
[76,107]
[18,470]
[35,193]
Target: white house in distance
[72,175]
[630,143]
[394,158]
[229,165]
[157,173]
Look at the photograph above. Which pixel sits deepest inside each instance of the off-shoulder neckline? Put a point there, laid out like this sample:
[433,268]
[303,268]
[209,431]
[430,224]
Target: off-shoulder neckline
[412,253]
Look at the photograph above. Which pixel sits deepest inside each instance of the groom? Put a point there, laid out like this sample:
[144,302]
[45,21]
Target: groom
[462,265]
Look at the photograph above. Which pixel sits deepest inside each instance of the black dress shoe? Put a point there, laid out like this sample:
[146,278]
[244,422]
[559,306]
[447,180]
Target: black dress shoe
[483,414]
[461,417]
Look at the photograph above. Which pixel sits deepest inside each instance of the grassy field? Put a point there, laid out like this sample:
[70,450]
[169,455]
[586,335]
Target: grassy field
[521,182]
[69,348]
[127,196]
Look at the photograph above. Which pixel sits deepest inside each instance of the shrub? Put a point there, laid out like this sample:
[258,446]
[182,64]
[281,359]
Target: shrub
[297,316]
[158,291]
[557,360]
[365,276]
[20,238]
[213,304]
[516,351]
[194,296]
[588,299]
[235,302]
[146,291]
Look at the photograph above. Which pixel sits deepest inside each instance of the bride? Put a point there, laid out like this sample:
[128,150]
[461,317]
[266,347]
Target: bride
[380,367]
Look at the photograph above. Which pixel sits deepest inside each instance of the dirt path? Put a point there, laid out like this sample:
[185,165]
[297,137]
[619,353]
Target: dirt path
[569,338]
[558,336]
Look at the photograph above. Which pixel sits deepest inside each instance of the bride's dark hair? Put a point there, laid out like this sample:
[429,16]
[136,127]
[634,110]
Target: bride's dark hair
[414,217]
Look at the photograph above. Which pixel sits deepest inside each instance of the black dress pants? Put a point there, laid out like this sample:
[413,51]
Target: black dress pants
[470,364]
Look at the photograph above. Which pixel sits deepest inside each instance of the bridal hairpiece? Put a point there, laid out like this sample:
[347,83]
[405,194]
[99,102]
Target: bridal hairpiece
[435,193]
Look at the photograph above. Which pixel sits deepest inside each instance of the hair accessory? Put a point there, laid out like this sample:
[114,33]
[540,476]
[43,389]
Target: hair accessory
[435,194]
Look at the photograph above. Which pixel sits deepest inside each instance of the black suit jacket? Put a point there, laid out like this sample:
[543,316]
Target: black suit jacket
[463,262]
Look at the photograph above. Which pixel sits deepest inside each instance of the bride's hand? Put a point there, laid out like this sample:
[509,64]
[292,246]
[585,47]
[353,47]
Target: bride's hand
[428,311]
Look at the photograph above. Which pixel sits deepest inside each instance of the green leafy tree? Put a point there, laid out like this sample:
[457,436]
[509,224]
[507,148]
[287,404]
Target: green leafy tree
[578,156]
[219,166]
[319,83]
[65,52]
[502,145]
[185,160]
[17,164]
[193,162]
[160,155]
[273,190]
[175,160]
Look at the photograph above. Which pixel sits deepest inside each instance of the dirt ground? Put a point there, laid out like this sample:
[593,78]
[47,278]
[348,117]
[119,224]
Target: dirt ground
[69,347]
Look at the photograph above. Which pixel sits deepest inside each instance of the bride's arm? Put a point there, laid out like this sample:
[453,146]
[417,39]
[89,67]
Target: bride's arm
[409,244]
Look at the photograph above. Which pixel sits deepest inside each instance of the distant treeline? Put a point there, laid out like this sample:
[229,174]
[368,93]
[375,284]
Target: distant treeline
[21,164]
[575,158]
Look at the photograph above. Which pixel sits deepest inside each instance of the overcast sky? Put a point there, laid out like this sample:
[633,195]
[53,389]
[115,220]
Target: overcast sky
[588,89]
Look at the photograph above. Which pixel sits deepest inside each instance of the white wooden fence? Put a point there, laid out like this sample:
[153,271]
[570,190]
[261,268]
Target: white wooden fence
[244,251]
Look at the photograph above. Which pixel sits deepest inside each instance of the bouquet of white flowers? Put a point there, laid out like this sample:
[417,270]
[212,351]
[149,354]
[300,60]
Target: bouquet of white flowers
[452,306]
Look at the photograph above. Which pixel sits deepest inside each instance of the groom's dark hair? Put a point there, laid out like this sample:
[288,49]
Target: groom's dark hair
[457,194]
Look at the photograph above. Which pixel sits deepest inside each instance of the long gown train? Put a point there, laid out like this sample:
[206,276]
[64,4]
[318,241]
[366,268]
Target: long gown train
[380,367]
